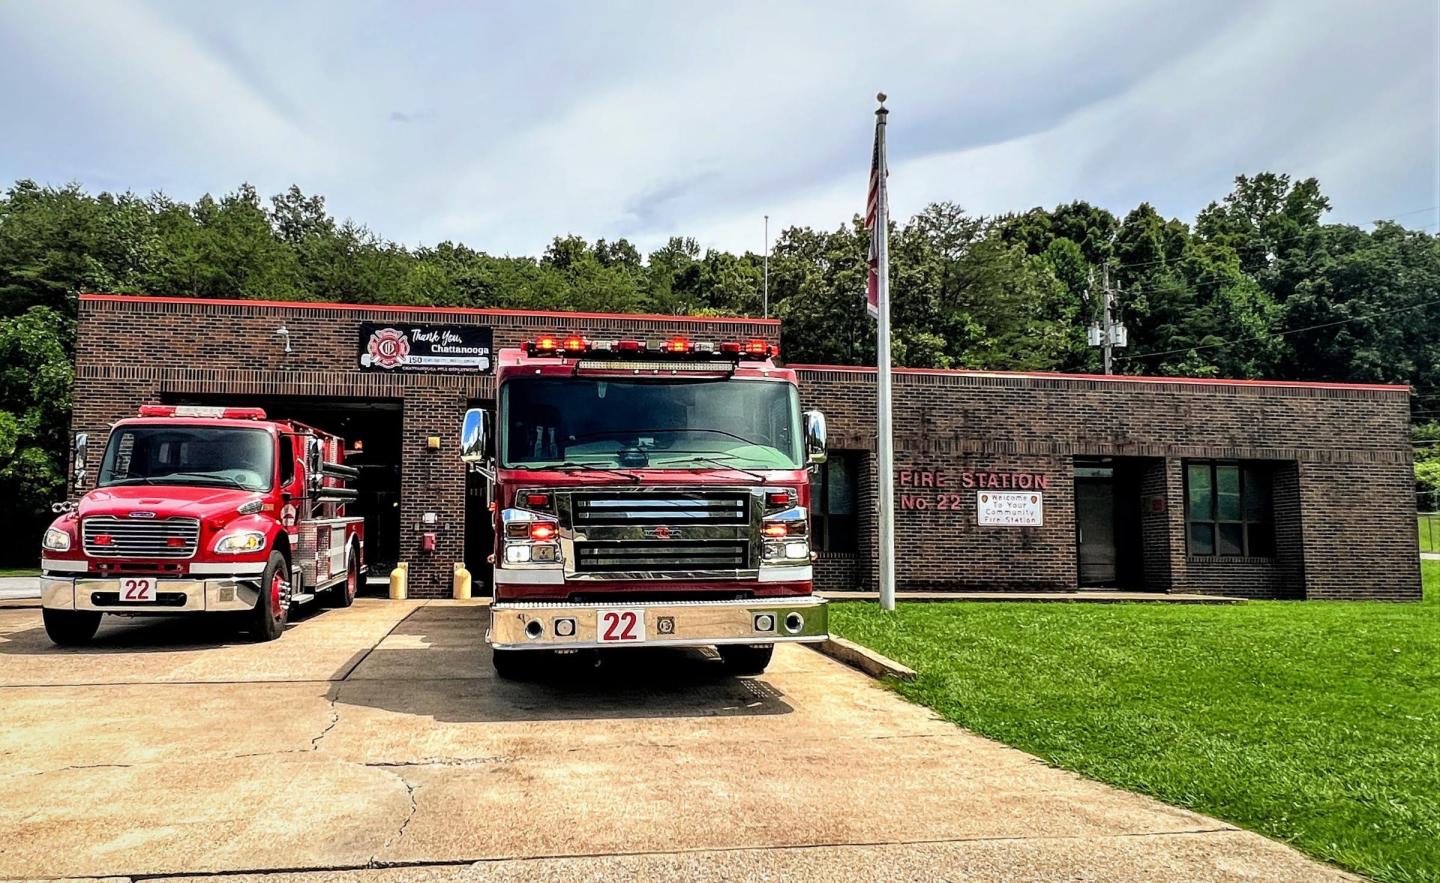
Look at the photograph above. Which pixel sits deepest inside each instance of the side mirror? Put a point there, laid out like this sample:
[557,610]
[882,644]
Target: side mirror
[81,442]
[315,462]
[475,436]
[815,436]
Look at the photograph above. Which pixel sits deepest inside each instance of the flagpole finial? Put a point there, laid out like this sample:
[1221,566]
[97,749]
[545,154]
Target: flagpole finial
[882,111]
[880,97]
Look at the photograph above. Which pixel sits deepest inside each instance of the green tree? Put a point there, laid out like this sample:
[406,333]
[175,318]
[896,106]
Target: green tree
[35,379]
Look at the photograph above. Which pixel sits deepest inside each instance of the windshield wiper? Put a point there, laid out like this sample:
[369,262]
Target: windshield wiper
[695,456]
[587,467]
[610,432]
[131,479]
[204,476]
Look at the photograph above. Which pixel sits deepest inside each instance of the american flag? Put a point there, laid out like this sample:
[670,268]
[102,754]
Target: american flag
[873,223]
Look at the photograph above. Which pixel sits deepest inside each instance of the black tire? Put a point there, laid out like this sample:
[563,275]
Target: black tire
[268,618]
[71,628]
[343,595]
[746,659]
[514,665]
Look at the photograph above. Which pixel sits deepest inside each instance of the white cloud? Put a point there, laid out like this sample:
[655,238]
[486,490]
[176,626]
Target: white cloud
[506,124]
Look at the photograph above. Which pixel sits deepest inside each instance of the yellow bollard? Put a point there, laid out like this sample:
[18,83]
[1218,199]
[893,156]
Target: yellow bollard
[399,579]
[462,582]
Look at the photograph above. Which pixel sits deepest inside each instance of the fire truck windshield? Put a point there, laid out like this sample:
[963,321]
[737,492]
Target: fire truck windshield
[201,455]
[656,424]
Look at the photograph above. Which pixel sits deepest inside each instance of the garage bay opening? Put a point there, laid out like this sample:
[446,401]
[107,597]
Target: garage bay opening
[371,429]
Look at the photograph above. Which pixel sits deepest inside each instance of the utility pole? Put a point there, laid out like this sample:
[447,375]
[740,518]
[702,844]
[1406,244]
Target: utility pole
[1109,332]
[765,304]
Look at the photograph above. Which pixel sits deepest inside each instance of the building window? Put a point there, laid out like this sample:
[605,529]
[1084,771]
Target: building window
[832,504]
[1228,510]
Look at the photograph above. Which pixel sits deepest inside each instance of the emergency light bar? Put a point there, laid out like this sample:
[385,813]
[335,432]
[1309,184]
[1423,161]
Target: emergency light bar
[575,344]
[202,411]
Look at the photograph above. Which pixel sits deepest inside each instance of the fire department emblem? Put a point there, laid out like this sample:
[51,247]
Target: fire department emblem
[388,348]
[662,533]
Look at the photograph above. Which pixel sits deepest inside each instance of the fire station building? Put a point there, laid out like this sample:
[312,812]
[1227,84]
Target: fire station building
[1003,481]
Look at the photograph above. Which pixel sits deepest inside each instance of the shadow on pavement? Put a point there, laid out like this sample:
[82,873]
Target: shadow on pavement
[151,634]
[436,664]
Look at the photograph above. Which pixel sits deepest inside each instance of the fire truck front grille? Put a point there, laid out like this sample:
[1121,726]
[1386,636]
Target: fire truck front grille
[674,509]
[660,556]
[110,537]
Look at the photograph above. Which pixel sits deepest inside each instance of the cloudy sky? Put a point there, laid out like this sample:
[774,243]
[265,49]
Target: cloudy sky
[503,124]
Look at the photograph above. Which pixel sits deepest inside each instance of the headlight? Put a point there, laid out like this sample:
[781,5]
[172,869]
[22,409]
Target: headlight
[56,540]
[240,541]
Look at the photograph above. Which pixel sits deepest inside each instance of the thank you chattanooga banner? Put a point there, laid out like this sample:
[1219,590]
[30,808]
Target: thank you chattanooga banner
[458,349]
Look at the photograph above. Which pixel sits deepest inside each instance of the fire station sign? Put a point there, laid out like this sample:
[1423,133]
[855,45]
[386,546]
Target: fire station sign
[403,347]
[1010,510]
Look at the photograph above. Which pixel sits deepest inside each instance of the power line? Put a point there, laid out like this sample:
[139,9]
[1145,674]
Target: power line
[1193,285]
[1206,346]
[1293,238]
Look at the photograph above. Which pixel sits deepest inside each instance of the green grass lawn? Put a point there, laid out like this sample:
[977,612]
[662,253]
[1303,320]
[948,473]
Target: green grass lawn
[1316,723]
[1429,526]
[19,571]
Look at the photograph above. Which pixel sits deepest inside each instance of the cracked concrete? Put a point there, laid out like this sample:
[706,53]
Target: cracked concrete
[379,746]
[400,834]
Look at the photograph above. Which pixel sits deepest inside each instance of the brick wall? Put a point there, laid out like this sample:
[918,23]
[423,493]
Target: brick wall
[1340,454]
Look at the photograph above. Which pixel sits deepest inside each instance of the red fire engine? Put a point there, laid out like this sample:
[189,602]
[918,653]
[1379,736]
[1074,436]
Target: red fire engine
[648,493]
[203,510]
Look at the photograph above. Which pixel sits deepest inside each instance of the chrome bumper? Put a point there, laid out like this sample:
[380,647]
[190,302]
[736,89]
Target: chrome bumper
[234,593]
[532,625]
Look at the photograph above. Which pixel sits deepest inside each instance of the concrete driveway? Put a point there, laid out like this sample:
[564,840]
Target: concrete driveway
[375,743]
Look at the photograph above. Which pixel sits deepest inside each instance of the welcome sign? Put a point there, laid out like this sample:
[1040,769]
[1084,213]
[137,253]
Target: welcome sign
[406,348]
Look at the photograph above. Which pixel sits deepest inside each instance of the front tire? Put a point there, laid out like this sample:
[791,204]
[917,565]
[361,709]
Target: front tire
[746,659]
[272,608]
[513,665]
[71,628]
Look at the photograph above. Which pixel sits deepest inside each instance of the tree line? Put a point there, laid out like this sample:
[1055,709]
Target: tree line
[1256,285]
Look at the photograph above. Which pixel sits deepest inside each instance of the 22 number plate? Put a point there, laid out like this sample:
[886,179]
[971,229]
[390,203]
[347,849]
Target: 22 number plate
[132,589]
[620,625]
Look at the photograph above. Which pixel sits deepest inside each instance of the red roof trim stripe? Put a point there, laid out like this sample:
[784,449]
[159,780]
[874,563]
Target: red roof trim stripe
[1113,378]
[469,311]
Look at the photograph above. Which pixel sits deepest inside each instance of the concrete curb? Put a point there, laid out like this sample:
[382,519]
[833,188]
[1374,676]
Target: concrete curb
[865,659]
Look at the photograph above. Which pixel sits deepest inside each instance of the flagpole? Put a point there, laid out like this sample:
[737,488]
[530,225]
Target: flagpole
[883,442]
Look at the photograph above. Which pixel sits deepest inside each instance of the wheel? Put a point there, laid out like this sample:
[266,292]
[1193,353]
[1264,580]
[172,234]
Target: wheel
[343,595]
[513,665]
[746,659]
[70,628]
[272,608]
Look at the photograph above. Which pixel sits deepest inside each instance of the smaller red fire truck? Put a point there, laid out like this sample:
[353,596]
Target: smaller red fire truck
[203,510]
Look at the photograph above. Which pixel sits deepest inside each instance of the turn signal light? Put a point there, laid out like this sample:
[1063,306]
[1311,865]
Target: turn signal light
[777,529]
[777,498]
[542,531]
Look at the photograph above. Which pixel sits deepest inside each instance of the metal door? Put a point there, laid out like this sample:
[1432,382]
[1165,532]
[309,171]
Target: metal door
[1095,525]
